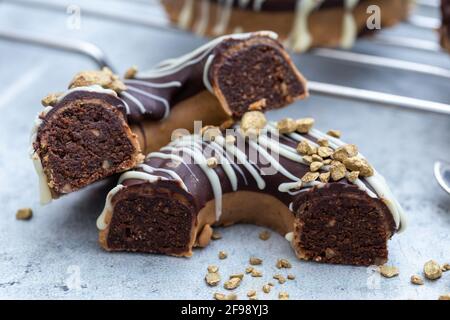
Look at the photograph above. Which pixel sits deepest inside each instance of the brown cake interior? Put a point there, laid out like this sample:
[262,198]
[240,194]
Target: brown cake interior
[342,228]
[82,142]
[151,220]
[256,75]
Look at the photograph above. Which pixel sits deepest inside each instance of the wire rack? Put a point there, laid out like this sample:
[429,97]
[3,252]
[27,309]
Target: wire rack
[155,19]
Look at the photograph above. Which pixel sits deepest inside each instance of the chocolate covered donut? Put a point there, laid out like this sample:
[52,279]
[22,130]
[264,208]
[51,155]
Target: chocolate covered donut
[303,24]
[102,124]
[312,188]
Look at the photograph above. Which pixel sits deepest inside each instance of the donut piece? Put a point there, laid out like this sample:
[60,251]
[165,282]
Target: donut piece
[330,213]
[302,24]
[101,125]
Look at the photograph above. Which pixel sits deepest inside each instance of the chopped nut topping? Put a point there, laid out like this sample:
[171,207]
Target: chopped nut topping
[223,255]
[324,177]
[251,293]
[388,271]
[432,270]
[237,275]
[327,161]
[249,269]
[337,171]
[415,279]
[232,284]
[353,176]
[131,72]
[216,235]
[310,177]
[104,78]
[264,235]
[252,122]
[445,267]
[221,296]
[344,152]
[359,164]
[308,159]
[209,133]
[229,139]
[304,148]
[304,125]
[266,288]
[255,261]
[324,152]
[212,279]
[51,99]
[445,297]
[280,278]
[291,277]
[287,125]
[315,166]
[24,214]
[283,263]
[283,296]
[257,105]
[213,269]
[212,162]
[256,273]
[316,157]
[334,133]
[323,142]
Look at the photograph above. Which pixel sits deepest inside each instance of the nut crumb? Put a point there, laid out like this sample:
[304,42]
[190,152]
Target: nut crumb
[324,152]
[256,273]
[221,296]
[249,269]
[266,288]
[223,255]
[257,105]
[280,278]
[232,284]
[344,152]
[337,171]
[334,133]
[315,166]
[304,148]
[310,177]
[212,162]
[359,164]
[291,277]
[287,125]
[264,235]
[308,159]
[324,177]
[237,275]
[252,122]
[353,176]
[213,269]
[131,72]
[415,279]
[323,142]
[444,297]
[255,261]
[388,271]
[212,279]
[24,214]
[104,78]
[51,99]
[283,296]
[445,267]
[304,124]
[283,263]
[432,270]
[251,293]
[209,133]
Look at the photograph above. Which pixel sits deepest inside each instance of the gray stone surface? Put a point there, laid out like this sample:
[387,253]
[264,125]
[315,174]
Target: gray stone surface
[41,258]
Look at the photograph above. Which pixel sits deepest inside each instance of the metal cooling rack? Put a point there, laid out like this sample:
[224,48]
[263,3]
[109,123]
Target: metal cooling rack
[156,20]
